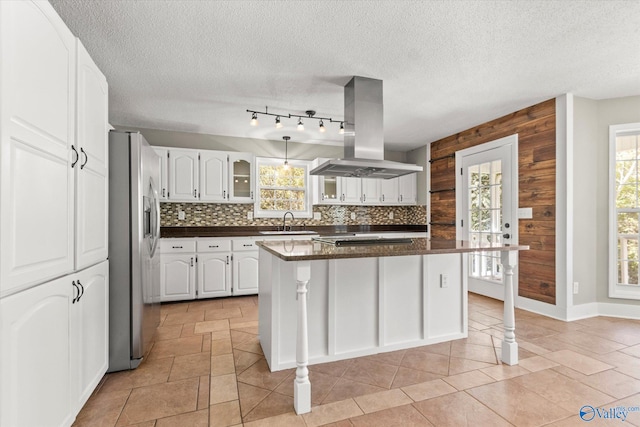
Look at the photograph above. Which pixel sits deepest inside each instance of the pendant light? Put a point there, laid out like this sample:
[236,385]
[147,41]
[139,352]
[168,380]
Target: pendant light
[286,154]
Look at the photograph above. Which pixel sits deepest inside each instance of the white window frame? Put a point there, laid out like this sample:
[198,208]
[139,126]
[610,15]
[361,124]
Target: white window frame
[617,290]
[268,161]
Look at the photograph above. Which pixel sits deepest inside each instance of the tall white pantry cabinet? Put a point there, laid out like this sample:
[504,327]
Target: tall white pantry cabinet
[53,219]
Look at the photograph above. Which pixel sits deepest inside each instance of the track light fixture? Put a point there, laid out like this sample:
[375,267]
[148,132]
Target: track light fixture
[286,154]
[309,114]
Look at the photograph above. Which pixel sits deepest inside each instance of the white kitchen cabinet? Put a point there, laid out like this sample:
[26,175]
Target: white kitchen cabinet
[214,275]
[214,268]
[163,167]
[54,348]
[34,356]
[350,190]
[371,191]
[407,189]
[177,277]
[92,169]
[213,176]
[183,175]
[389,191]
[37,145]
[245,273]
[89,332]
[241,177]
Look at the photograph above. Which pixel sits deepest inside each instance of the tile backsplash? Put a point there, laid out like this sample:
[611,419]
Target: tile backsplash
[217,214]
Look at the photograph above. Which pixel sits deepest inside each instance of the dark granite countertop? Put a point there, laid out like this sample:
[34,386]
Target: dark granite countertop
[323,230]
[302,250]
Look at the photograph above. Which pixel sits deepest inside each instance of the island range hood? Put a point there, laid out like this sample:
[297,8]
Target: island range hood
[363,136]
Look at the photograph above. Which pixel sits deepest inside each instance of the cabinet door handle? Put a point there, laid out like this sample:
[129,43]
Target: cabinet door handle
[73,164]
[82,289]
[195,194]
[75,298]
[227,259]
[252,195]
[191,261]
[382,198]
[214,246]
[224,194]
[176,247]
[322,196]
[246,246]
[86,158]
[163,191]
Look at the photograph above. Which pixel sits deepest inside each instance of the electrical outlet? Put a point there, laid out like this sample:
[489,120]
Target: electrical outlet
[250,215]
[391,215]
[317,216]
[444,280]
[353,215]
[576,287]
[181,215]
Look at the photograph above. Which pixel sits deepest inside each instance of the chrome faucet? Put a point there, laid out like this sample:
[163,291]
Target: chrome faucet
[284,220]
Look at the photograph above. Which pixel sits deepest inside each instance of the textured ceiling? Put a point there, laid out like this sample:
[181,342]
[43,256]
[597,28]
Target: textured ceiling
[196,66]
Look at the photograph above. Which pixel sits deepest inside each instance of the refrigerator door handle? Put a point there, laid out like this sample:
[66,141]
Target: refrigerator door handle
[156,228]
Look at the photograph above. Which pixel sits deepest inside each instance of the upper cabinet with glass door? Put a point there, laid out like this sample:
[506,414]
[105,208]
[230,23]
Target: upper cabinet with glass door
[241,177]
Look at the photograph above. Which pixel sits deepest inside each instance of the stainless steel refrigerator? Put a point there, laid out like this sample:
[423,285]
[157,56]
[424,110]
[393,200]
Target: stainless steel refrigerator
[134,268]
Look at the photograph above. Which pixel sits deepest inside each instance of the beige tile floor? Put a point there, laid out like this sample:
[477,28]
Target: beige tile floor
[206,368]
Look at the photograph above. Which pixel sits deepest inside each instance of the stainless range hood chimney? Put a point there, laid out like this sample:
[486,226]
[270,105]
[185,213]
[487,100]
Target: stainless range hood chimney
[363,136]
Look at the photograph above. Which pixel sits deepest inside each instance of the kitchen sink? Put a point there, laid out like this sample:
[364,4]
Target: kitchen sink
[288,232]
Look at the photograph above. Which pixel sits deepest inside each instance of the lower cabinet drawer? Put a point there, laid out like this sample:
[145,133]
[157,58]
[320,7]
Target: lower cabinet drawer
[244,245]
[177,246]
[214,245]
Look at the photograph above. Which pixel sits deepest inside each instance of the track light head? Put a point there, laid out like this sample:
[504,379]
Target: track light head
[322,128]
[278,124]
[300,125]
[254,119]
[341,131]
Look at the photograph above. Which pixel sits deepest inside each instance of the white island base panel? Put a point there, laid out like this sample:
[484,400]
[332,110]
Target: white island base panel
[359,306]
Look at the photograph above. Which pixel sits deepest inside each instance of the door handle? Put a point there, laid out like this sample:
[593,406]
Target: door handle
[82,293]
[73,164]
[86,158]
[75,298]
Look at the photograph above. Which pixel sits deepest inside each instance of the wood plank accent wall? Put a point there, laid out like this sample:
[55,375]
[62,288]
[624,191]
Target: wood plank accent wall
[536,129]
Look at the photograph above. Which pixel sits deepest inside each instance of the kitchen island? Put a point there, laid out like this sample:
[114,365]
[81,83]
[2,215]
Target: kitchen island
[341,302]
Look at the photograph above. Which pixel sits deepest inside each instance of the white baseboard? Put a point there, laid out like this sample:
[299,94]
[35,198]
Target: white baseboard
[582,311]
[539,307]
[626,311]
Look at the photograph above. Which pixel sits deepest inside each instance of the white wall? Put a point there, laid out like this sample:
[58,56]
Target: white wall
[585,183]
[592,119]
[259,147]
[610,112]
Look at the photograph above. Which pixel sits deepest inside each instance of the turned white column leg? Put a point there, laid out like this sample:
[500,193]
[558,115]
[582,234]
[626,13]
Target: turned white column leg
[302,385]
[509,344]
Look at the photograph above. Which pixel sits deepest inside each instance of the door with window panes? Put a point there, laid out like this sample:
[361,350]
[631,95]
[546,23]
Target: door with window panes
[486,210]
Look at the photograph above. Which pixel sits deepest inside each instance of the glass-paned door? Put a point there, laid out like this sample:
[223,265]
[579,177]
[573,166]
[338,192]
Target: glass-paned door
[484,216]
[486,199]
